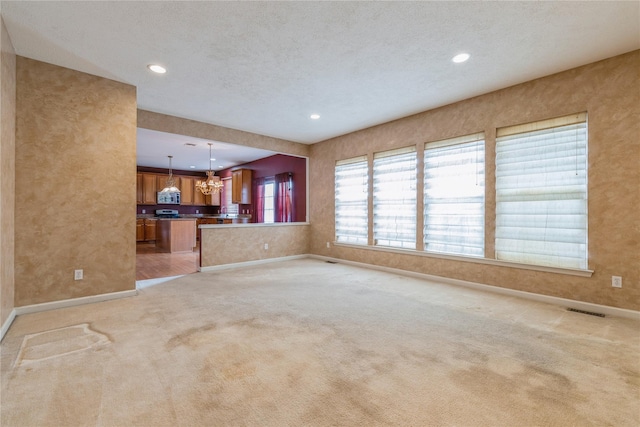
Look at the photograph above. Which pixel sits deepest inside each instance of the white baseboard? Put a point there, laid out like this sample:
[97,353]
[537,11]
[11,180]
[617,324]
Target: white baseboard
[141,284]
[579,305]
[36,308]
[250,263]
[7,323]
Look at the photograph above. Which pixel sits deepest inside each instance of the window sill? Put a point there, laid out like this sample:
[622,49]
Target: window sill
[486,261]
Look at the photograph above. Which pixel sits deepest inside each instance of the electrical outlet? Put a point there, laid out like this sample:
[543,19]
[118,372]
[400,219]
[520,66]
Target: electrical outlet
[328,245]
[616,281]
[78,275]
[144,211]
[266,246]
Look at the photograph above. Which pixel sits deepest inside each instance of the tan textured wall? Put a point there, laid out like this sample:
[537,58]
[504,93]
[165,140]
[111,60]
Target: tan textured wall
[227,245]
[7,171]
[609,91]
[180,126]
[75,184]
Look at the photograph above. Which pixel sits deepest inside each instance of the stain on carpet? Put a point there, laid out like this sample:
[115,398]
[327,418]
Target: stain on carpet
[351,404]
[238,370]
[191,337]
[59,342]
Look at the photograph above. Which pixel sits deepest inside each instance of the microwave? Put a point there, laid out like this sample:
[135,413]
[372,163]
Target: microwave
[168,198]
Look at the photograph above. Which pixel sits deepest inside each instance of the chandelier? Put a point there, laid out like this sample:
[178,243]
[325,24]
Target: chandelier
[211,185]
[171,183]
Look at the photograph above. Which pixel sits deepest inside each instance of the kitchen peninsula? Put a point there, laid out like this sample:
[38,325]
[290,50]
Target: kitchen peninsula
[176,235]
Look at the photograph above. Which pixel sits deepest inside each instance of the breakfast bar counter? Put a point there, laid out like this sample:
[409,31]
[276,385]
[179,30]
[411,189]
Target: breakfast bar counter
[176,234]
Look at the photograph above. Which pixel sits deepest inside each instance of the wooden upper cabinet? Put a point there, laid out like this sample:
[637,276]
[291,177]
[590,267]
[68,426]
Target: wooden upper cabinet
[148,184]
[149,189]
[214,198]
[199,199]
[161,181]
[187,188]
[139,186]
[241,186]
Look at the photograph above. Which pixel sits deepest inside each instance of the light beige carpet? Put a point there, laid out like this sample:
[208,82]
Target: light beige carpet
[308,343]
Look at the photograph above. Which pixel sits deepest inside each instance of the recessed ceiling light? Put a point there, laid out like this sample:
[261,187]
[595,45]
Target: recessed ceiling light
[157,68]
[192,167]
[314,116]
[460,58]
[212,159]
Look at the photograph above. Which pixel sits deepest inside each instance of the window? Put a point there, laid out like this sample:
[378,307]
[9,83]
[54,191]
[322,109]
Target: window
[228,205]
[541,193]
[394,198]
[454,196]
[269,205]
[352,198]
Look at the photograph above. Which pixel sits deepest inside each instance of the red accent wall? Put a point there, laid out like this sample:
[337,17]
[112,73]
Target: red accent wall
[279,163]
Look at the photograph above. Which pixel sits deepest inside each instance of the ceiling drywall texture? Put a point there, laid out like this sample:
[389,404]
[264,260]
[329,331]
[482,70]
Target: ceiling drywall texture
[264,67]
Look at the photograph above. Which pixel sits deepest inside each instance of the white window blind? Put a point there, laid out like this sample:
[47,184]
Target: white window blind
[541,193]
[351,200]
[454,196]
[230,207]
[394,198]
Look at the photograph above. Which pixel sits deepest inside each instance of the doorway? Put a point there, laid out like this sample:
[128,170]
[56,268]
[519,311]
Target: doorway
[151,264]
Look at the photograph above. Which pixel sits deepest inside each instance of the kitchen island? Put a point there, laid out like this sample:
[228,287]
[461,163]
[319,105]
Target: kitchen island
[176,235]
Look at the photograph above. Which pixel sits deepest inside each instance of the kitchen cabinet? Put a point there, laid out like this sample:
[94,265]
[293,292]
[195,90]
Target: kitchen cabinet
[214,198]
[139,199]
[148,188]
[200,199]
[150,229]
[146,229]
[187,188]
[140,230]
[161,181]
[241,186]
[176,235]
[148,184]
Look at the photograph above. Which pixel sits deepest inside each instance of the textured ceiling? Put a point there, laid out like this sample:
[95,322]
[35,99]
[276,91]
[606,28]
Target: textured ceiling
[264,67]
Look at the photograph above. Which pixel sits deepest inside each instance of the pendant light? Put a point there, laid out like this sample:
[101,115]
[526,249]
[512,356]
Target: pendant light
[211,185]
[171,184]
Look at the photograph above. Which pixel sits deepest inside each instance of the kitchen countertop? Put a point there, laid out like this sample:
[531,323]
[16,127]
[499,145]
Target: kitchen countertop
[197,216]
